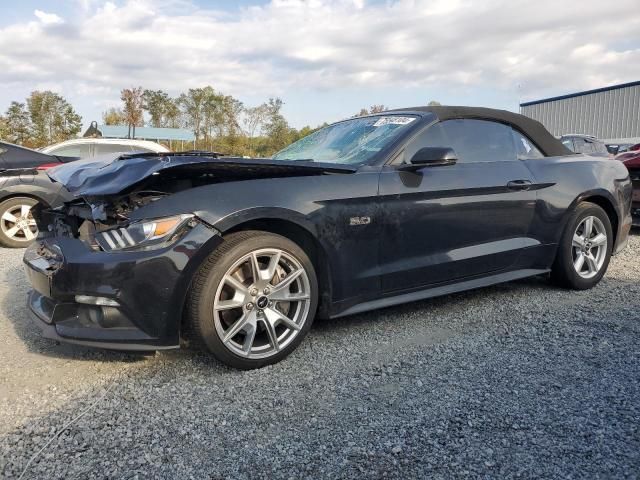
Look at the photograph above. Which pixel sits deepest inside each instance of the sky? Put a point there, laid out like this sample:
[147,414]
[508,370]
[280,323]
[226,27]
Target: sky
[325,58]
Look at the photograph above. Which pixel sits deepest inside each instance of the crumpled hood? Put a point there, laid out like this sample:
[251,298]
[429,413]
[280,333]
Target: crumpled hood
[113,174]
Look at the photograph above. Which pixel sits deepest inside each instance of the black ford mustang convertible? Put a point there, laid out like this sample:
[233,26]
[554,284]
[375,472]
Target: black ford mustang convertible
[240,255]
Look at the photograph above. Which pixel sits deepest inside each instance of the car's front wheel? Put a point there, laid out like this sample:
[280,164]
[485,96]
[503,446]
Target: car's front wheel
[17,226]
[585,248]
[253,300]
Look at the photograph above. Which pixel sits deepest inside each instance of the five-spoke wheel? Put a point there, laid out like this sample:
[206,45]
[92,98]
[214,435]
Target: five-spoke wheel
[585,248]
[253,300]
[589,247]
[17,226]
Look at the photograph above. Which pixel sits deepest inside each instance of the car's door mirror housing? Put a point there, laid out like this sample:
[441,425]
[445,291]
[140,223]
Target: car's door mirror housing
[431,157]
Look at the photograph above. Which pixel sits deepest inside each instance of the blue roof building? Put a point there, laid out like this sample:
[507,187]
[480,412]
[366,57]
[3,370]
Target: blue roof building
[167,135]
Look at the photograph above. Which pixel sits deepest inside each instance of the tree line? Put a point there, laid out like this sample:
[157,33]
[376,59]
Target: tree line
[44,118]
[219,122]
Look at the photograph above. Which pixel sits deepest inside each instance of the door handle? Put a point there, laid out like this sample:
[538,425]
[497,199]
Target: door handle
[519,185]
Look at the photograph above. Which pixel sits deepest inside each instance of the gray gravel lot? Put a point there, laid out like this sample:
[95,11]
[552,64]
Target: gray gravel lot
[518,380]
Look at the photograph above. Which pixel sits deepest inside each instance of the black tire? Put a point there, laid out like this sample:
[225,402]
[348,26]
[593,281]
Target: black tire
[201,328]
[563,272]
[9,205]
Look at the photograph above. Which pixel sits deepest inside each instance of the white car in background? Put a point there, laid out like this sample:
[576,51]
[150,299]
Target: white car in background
[93,147]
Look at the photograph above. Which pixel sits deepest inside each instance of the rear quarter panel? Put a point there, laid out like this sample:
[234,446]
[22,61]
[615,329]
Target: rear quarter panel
[572,179]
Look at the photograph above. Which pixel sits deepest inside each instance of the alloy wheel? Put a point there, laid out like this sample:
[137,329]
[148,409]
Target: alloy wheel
[262,303]
[589,247]
[18,224]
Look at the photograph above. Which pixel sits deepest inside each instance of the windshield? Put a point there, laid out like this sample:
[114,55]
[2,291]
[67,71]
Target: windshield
[351,141]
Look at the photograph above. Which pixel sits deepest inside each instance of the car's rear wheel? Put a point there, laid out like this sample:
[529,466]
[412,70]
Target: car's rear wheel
[17,226]
[585,248]
[253,300]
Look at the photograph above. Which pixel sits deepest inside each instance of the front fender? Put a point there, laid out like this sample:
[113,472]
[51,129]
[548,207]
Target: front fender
[239,217]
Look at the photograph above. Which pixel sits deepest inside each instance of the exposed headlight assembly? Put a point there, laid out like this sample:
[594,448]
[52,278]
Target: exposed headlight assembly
[145,234]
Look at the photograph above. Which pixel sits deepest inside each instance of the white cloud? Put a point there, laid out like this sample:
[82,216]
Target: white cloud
[544,47]
[47,18]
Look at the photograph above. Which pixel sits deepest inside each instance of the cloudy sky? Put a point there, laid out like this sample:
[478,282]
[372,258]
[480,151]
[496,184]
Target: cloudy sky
[325,58]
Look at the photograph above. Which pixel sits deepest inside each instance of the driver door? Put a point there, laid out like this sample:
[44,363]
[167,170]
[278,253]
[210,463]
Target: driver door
[444,223]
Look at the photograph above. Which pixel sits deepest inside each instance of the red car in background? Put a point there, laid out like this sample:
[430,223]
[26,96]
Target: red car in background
[631,159]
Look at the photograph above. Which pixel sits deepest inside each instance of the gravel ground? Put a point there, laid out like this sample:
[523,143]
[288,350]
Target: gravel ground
[518,380]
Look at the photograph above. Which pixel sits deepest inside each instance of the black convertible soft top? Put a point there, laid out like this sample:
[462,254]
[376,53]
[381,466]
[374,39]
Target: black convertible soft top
[550,146]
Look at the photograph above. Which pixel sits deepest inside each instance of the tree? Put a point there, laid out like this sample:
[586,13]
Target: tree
[4,128]
[132,100]
[254,120]
[372,110]
[157,103]
[434,103]
[211,114]
[192,104]
[276,128]
[228,116]
[377,109]
[114,116]
[172,114]
[16,124]
[53,119]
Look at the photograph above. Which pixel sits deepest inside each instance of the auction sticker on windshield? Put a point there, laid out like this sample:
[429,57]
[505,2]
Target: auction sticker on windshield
[393,120]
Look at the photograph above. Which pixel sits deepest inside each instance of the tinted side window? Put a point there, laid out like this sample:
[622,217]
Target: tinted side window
[569,144]
[432,137]
[480,140]
[102,149]
[472,140]
[580,145]
[82,151]
[525,149]
[600,147]
[588,147]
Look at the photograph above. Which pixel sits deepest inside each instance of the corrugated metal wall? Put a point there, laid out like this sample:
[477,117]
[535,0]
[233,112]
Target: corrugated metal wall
[610,114]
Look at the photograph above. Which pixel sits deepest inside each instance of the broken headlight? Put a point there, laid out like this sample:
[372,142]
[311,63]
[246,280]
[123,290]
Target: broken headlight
[144,235]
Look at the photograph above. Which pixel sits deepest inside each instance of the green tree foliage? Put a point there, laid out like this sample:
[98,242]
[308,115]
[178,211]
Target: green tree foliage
[193,105]
[172,114]
[254,120]
[52,118]
[16,124]
[434,103]
[276,127]
[114,116]
[4,128]
[157,104]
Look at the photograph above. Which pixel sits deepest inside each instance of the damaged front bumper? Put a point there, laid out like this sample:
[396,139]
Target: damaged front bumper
[119,300]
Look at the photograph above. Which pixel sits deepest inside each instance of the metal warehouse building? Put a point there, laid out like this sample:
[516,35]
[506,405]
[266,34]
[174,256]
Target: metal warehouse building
[611,113]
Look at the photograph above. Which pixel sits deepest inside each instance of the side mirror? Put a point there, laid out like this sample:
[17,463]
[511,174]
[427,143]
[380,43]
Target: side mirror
[431,157]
